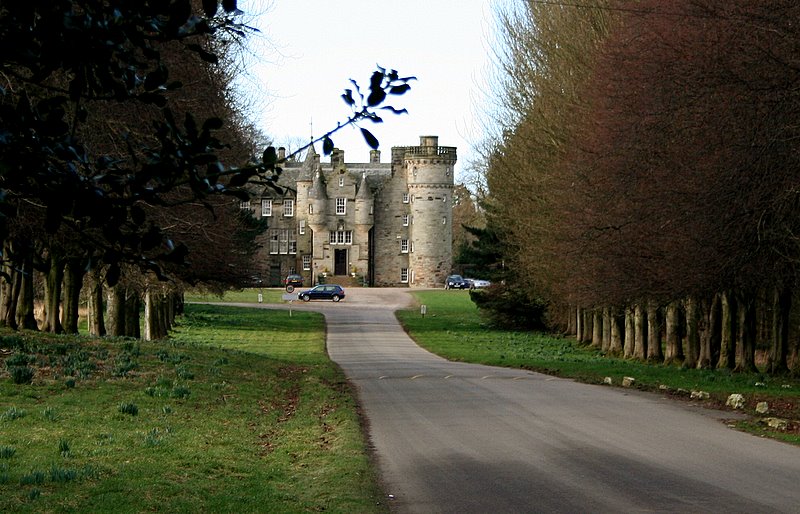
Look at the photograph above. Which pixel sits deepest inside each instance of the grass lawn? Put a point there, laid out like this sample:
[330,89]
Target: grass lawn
[453,328]
[250,295]
[239,411]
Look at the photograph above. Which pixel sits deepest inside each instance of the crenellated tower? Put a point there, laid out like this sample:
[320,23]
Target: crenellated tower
[429,175]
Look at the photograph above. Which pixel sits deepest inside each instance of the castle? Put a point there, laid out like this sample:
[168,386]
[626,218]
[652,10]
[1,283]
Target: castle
[382,224]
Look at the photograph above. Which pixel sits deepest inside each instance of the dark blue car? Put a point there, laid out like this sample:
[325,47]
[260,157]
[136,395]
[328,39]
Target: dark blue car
[456,282]
[322,292]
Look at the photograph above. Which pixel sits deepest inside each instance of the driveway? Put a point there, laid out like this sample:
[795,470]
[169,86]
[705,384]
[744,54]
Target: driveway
[455,437]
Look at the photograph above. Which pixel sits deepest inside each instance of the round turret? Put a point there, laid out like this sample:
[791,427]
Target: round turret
[364,203]
[429,169]
[318,200]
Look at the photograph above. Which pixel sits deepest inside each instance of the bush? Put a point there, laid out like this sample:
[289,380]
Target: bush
[21,374]
[511,307]
[128,408]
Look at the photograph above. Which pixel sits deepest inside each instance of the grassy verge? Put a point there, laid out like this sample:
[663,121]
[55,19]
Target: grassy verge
[453,328]
[241,411]
[250,295]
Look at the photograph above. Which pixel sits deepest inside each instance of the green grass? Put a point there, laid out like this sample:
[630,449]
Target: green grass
[240,411]
[454,328]
[268,295]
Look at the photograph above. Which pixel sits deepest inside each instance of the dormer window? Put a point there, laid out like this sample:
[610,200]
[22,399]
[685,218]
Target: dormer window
[266,206]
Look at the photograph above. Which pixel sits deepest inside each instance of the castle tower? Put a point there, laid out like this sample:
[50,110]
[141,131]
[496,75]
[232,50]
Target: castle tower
[429,171]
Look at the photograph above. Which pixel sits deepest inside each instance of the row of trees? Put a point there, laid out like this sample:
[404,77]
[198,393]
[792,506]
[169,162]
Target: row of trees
[115,125]
[655,148]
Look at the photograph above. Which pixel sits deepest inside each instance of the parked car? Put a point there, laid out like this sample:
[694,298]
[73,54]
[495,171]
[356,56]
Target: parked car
[478,283]
[293,280]
[456,282]
[322,292]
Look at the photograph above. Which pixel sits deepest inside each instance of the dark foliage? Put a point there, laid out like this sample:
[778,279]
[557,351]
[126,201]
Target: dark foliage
[511,307]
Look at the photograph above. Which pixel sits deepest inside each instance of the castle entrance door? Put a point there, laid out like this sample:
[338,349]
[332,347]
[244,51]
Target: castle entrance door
[340,262]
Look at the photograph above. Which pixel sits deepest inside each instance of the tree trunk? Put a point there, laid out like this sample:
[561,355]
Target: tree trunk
[579,325]
[606,342]
[709,328]
[597,328]
[779,348]
[588,329]
[52,294]
[26,319]
[746,336]
[691,350]
[654,352]
[615,347]
[640,332]
[727,349]
[133,305]
[96,319]
[673,353]
[9,288]
[629,342]
[152,315]
[570,320]
[73,281]
[115,310]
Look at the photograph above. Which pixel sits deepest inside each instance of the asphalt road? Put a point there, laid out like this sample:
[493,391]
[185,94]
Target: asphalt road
[454,437]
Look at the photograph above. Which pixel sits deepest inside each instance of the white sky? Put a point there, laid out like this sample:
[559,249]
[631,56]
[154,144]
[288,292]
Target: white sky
[311,48]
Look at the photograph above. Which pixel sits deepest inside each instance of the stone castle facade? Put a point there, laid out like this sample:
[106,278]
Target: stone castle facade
[384,224]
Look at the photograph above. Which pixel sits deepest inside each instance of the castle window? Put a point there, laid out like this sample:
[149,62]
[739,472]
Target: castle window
[404,246]
[311,208]
[288,208]
[266,206]
[302,227]
[245,206]
[444,221]
[405,197]
[405,220]
[306,262]
[341,181]
[404,275]
[282,241]
[273,240]
[340,237]
[341,206]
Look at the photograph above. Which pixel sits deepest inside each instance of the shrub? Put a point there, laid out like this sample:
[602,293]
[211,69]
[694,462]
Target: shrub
[511,307]
[63,447]
[183,373]
[128,408]
[180,391]
[21,374]
[13,413]
[58,474]
[20,359]
[32,478]
[49,414]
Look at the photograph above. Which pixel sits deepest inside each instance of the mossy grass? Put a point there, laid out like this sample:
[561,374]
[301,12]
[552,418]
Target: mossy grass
[274,426]
[454,328]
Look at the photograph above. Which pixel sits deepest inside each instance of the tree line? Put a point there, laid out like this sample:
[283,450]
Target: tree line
[116,122]
[643,176]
